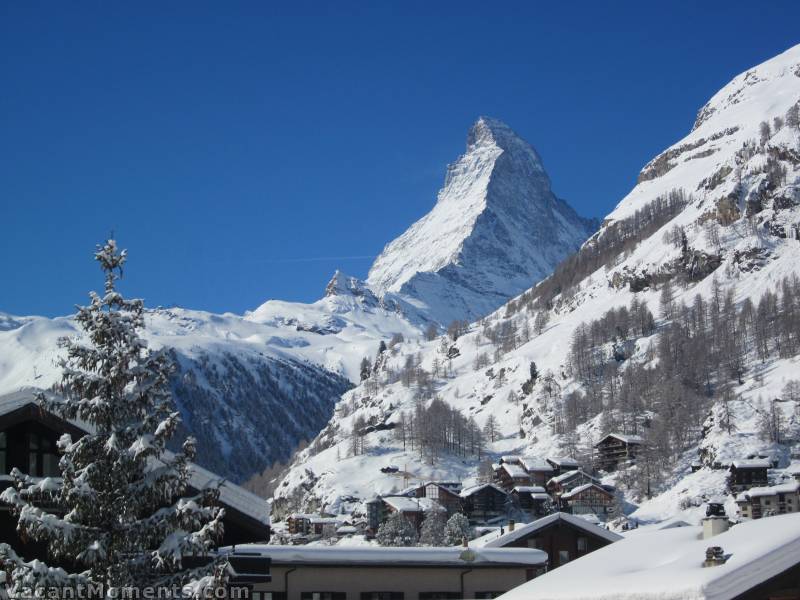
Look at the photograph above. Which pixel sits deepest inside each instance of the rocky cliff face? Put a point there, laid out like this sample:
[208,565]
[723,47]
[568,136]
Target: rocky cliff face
[496,229]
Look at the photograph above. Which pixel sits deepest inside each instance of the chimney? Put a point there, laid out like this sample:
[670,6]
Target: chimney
[511,525]
[715,521]
[715,556]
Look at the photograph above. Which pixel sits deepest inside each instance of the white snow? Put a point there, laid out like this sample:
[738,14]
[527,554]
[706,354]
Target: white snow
[667,565]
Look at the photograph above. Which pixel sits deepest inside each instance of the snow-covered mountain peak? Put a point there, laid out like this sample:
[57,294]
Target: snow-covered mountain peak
[762,90]
[495,230]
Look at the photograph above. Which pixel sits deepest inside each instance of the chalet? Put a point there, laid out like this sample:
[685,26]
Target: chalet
[755,560]
[562,465]
[484,502]
[747,473]
[760,502]
[28,435]
[537,469]
[376,573]
[563,536]
[532,499]
[616,448]
[511,475]
[588,499]
[413,509]
[445,493]
[299,524]
[324,525]
[568,481]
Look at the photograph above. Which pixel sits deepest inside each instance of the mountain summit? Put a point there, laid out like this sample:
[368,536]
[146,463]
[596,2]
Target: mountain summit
[496,229]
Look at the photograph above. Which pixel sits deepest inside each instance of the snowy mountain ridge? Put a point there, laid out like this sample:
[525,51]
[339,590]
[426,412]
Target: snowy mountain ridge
[716,216]
[496,229]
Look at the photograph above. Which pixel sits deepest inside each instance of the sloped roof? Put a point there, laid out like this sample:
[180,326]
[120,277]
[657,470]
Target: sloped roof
[667,565]
[533,463]
[377,555]
[564,462]
[624,437]
[751,463]
[231,495]
[790,487]
[466,492]
[515,471]
[583,488]
[405,504]
[539,524]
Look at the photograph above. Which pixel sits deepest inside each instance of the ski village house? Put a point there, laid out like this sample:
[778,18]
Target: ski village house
[617,448]
[28,436]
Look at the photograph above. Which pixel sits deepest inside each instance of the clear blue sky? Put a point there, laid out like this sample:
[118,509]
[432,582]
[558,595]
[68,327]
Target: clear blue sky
[223,140]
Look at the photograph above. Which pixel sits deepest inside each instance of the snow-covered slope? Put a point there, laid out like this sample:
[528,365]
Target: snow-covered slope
[496,229]
[717,216]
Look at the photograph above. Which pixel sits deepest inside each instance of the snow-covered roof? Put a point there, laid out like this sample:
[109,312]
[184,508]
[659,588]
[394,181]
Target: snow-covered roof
[569,463]
[532,463]
[325,520]
[529,489]
[515,471]
[525,530]
[404,504]
[793,468]
[583,488]
[231,495]
[376,555]
[624,437]
[569,475]
[667,565]
[751,463]
[789,487]
[509,458]
[466,492]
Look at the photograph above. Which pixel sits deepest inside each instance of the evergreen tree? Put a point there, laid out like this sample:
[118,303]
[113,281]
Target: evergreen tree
[396,530]
[456,529]
[432,531]
[117,515]
[366,368]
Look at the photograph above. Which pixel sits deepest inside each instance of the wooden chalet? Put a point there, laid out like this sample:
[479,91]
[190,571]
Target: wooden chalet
[511,475]
[532,499]
[587,499]
[563,536]
[298,524]
[413,509]
[616,448]
[28,436]
[445,494]
[748,473]
[484,502]
[569,480]
[759,502]
[537,469]
[562,464]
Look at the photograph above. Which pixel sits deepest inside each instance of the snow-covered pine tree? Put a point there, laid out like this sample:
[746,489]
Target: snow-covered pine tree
[456,529]
[432,530]
[117,516]
[396,530]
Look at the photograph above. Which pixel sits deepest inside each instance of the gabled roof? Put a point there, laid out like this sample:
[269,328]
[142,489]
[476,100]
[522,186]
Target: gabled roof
[528,489]
[515,471]
[404,504]
[554,519]
[667,565]
[751,463]
[790,487]
[231,495]
[570,475]
[623,437]
[467,492]
[533,463]
[583,488]
[562,462]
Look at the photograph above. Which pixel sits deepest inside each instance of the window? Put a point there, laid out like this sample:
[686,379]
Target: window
[563,557]
[323,596]
[268,596]
[42,457]
[2,452]
[439,595]
[381,595]
[534,543]
[583,544]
